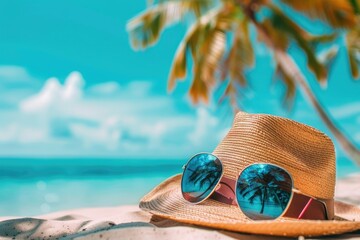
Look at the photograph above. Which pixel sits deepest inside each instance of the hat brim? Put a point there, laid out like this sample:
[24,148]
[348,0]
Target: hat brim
[166,201]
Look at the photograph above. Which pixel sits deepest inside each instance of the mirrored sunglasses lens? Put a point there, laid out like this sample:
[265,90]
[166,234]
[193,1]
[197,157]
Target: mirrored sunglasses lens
[263,191]
[200,177]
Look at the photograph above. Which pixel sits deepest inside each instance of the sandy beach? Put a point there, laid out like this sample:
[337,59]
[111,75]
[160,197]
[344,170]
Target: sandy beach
[129,222]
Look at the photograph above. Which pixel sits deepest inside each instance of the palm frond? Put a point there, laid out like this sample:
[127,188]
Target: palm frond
[206,41]
[316,40]
[279,39]
[355,5]
[284,24]
[146,28]
[339,14]
[199,90]
[241,55]
[245,191]
[192,40]
[212,51]
[205,62]
[178,69]
[353,50]
[354,60]
[257,194]
[290,86]
[328,56]
[231,92]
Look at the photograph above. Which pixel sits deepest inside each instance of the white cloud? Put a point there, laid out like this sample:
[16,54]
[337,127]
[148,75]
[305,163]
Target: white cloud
[204,126]
[12,73]
[139,88]
[134,89]
[73,88]
[105,88]
[223,133]
[53,94]
[107,134]
[22,134]
[9,133]
[346,111]
[15,84]
[48,96]
[132,121]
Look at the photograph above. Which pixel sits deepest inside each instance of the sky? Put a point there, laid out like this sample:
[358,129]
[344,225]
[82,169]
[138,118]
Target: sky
[72,86]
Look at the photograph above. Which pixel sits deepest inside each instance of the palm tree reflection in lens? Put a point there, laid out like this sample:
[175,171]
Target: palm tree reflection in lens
[263,191]
[201,175]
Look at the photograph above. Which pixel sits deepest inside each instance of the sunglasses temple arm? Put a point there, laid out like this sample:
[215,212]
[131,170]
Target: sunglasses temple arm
[305,208]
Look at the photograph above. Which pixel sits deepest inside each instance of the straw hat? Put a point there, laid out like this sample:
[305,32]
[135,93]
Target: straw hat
[306,153]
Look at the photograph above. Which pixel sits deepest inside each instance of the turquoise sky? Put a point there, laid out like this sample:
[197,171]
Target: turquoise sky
[72,86]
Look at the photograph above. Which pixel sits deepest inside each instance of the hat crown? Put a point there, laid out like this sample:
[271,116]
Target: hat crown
[305,152]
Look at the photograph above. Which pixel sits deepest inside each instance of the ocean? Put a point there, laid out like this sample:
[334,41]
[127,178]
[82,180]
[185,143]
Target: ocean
[30,187]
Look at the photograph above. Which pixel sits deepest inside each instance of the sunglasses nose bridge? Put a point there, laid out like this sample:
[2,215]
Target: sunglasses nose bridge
[226,186]
[225,191]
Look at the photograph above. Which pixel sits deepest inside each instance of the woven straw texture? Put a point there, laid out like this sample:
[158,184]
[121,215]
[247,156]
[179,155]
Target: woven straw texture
[304,151]
[298,148]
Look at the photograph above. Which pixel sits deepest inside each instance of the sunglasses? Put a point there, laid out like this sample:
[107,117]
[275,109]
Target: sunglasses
[262,191]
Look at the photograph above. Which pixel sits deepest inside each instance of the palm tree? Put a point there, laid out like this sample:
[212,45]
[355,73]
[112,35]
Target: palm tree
[208,172]
[269,185]
[220,48]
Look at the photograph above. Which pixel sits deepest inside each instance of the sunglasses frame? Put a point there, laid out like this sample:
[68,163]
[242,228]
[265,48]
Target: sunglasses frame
[291,196]
[293,189]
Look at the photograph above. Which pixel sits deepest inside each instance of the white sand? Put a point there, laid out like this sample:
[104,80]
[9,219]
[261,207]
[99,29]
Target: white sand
[129,222]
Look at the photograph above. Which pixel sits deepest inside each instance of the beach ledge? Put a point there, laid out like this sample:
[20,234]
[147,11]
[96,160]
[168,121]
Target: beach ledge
[129,222]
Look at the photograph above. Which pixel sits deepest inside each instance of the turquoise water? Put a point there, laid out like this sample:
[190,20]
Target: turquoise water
[31,187]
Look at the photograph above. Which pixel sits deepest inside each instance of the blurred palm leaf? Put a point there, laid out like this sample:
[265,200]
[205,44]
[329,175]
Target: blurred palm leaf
[353,49]
[316,40]
[217,20]
[240,56]
[290,85]
[356,6]
[196,6]
[281,40]
[146,28]
[179,66]
[328,56]
[230,92]
[206,40]
[283,25]
[207,52]
[211,51]
[337,13]
[199,90]
[278,39]
[203,33]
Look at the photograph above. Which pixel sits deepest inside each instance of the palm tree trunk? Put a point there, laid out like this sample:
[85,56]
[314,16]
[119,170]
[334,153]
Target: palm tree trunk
[263,201]
[278,199]
[211,184]
[291,68]
[288,64]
